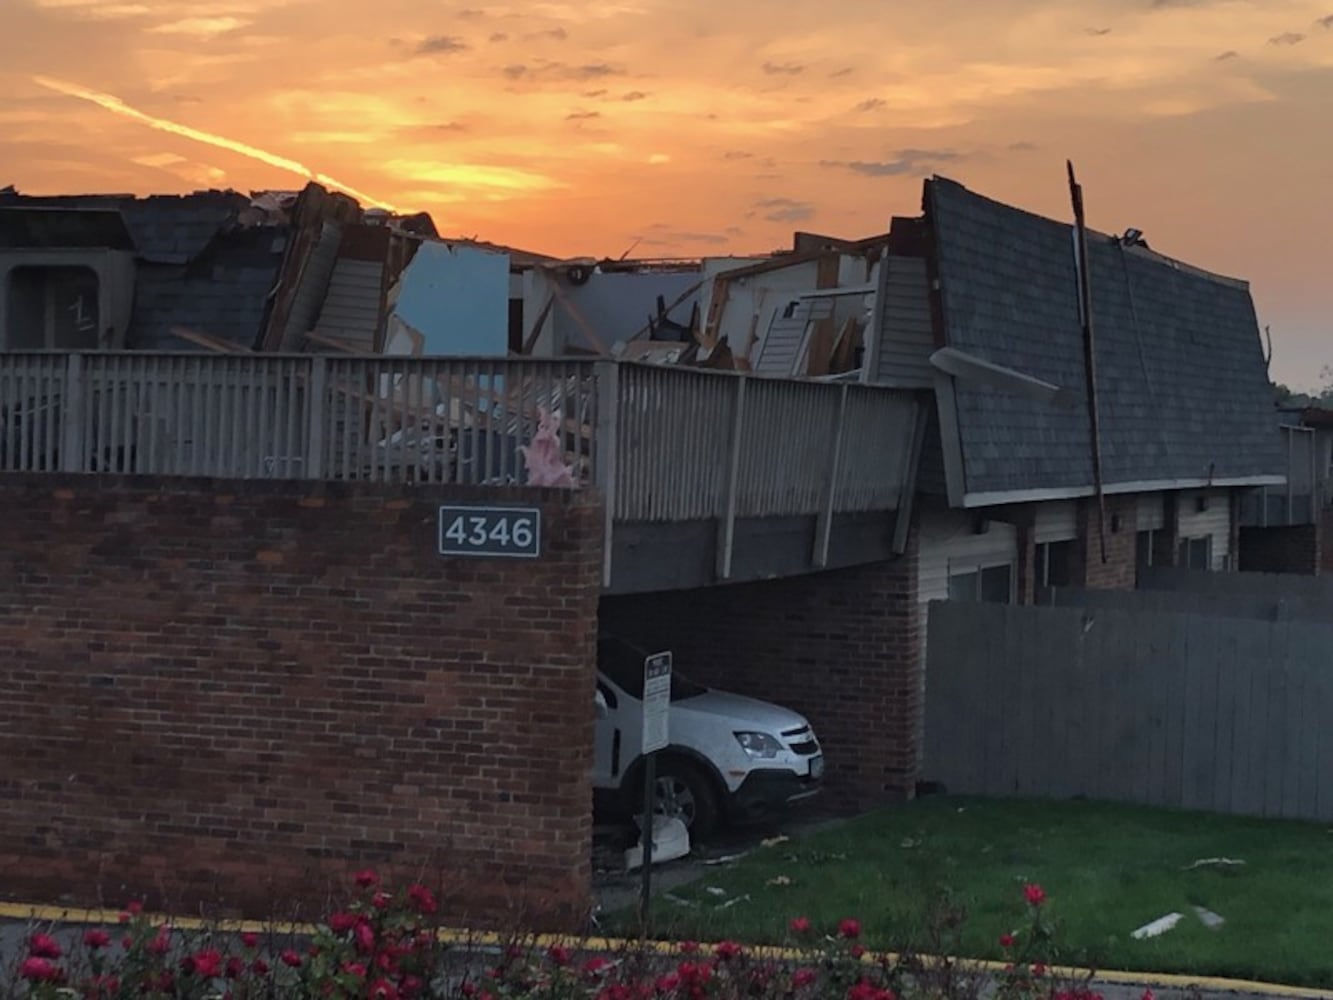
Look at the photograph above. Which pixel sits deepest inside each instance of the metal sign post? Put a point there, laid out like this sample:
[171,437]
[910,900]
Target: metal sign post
[656,718]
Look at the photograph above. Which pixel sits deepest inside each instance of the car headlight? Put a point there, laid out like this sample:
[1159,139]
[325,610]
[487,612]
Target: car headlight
[759,745]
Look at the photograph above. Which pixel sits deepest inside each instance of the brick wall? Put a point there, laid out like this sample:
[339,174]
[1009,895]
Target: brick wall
[1294,549]
[1119,571]
[237,693]
[841,647]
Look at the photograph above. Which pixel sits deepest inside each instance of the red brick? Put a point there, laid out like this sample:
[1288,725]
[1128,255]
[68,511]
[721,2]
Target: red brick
[242,714]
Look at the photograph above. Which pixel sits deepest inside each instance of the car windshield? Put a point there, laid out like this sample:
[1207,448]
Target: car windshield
[623,663]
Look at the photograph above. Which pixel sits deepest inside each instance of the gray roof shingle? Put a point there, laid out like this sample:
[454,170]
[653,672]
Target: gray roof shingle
[1182,386]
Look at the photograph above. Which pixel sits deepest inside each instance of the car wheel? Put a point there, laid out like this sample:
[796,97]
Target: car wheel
[685,793]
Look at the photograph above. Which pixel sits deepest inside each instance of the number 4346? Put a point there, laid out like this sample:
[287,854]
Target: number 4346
[481,532]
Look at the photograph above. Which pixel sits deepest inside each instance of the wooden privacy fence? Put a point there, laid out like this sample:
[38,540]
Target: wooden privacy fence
[1192,711]
[666,444]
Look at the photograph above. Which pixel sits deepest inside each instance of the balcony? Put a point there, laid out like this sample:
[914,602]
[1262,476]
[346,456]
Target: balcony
[708,477]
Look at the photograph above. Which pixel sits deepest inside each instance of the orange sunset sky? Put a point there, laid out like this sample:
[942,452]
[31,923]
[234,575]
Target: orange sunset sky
[711,127]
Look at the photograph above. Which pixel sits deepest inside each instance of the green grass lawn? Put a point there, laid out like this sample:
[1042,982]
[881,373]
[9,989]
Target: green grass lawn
[1107,869]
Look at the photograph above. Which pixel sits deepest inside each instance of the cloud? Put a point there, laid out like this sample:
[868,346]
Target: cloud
[437,44]
[497,36]
[116,106]
[201,27]
[1097,32]
[582,116]
[845,71]
[1224,56]
[1287,38]
[561,71]
[1326,22]
[737,154]
[470,14]
[871,104]
[669,237]
[783,69]
[785,209]
[905,162]
[1022,146]
[556,34]
[635,95]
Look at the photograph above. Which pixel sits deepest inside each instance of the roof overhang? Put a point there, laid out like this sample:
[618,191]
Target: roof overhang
[1002,498]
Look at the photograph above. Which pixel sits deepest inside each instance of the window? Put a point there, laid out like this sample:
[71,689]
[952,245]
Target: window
[1197,553]
[993,584]
[1055,564]
[52,307]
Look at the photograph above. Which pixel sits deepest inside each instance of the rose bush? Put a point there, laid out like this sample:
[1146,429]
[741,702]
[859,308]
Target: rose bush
[384,945]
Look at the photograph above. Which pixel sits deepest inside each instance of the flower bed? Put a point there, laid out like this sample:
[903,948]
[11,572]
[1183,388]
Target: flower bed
[385,945]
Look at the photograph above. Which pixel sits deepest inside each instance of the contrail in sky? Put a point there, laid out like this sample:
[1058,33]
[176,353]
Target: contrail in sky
[116,106]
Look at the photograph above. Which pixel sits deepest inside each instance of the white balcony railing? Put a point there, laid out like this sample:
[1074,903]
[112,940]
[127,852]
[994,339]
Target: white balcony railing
[666,444]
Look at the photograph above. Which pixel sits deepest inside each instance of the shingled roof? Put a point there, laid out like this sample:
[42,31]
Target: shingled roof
[1182,385]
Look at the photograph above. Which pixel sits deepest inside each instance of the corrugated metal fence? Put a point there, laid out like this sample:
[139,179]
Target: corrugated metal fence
[1155,707]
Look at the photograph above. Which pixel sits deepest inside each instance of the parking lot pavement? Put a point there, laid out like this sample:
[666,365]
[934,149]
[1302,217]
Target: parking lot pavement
[615,889]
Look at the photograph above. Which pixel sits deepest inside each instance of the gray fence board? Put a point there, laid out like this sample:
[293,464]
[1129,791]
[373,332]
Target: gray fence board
[1184,710]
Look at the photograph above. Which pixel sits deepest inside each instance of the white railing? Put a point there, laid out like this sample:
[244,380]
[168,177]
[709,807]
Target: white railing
[287,416]
[697,444]
[666,444]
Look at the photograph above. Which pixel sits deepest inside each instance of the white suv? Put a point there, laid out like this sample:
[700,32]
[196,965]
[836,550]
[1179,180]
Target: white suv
[729,758]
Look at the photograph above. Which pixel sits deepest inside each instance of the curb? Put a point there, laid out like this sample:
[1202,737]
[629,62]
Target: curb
[1154,980]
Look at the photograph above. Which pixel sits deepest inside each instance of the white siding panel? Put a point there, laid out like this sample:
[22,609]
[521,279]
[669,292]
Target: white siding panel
[1056,521]
[1151,512]
[352,306]
[1215,521]
[949,544]
[906,337]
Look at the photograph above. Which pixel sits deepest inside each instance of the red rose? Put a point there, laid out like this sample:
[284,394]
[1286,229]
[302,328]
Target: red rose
[43,946]
[381,900]
[235,966]
[856,950]
[342,922]
[1006,940]
[422,898]
[260,968]
[95,937]
[850,928]
[364,936]
[1034,894]
[161,943]
[382,989]
[250,939]
[37,969]
[366,878]
[558,955]
[668,983]
[803,977]
[800,925]
[354,969]
[410,986]
[1039,970]
[1147,995]
[291,958]
[132,909]
[595,966]
[126,941]
[206,964]
[689,947]
[728,950]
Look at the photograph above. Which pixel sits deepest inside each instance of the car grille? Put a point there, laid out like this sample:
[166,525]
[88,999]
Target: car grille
[801,741]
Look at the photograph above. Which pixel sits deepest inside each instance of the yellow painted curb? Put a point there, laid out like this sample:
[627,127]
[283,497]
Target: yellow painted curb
[1153,980]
